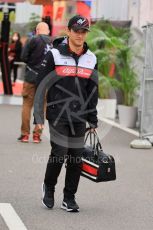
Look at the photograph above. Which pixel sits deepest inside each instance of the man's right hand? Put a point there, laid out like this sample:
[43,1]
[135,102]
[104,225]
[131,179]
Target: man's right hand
[92,130]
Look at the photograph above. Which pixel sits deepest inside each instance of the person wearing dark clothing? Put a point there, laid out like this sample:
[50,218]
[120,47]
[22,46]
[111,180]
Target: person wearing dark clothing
[14,53]
[33,53]
[71,102]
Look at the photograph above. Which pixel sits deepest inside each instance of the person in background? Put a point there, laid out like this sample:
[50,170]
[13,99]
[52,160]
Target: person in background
[33,54]
[14,54]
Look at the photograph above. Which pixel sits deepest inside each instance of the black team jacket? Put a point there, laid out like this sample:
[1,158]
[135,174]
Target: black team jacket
[72,85]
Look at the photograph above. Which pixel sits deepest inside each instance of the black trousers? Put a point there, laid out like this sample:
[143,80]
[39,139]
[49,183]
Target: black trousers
[15,70]
[67,142]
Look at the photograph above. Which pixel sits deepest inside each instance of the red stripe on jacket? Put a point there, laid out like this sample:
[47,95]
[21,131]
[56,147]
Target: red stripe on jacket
[73,71]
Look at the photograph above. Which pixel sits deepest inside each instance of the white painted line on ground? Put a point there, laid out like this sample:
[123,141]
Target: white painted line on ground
[10,217]
[115,124]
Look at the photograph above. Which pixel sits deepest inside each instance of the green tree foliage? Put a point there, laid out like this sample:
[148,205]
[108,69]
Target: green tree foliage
[110,45]
[33,21]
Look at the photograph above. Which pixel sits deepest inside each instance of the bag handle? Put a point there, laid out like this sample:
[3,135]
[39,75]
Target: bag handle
[94,140]
[98,145]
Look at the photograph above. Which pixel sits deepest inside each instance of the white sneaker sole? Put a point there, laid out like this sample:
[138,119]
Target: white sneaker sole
[24,141]
[36,142]
[43,194]
[63,206]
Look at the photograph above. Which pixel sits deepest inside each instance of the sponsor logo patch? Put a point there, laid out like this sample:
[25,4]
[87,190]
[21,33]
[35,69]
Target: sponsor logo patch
[73,71]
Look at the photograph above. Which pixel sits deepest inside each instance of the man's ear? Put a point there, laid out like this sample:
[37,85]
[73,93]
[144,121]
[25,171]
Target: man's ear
[67,31]
[36,31]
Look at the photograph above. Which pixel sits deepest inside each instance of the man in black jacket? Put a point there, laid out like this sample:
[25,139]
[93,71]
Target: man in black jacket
[33,53]
[72,96]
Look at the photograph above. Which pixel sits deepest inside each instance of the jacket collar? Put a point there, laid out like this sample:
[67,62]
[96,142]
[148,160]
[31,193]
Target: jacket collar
[62,45]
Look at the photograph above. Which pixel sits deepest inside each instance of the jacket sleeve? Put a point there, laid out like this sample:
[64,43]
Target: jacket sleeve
[44,78]
[92,93]
[27,49]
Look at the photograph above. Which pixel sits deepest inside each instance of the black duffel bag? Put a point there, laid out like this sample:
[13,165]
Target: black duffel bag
[97,165]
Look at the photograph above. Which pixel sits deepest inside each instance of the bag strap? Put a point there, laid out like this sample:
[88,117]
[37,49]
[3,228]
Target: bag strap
[94,140]
[44,41]
[98,145]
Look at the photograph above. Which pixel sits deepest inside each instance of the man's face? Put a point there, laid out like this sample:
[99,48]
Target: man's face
[77,38]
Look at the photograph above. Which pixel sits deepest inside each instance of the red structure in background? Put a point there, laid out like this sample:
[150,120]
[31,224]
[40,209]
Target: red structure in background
[61,11]
[48,10]
[12,1]
[83,8]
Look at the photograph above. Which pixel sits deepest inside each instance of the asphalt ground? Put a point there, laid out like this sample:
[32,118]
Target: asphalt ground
[124,204]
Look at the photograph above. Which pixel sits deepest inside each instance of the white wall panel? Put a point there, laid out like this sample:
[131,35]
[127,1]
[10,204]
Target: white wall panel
[110,9]
[24,11]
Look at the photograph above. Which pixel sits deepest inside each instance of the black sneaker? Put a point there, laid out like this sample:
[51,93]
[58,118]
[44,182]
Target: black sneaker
[47,197]
[70,205]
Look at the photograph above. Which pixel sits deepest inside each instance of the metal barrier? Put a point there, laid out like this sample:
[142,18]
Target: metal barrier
[21,70]
[146,97]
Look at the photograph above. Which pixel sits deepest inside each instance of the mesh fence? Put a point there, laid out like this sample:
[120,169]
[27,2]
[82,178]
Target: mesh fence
[146,99]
